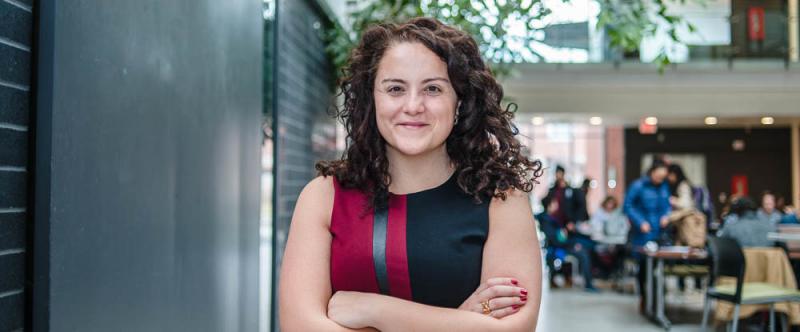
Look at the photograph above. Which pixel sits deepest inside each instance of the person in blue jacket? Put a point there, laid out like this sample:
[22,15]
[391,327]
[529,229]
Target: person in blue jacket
[647,206]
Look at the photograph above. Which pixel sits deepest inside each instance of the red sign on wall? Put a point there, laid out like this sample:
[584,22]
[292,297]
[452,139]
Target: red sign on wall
[647,128]
[755,23]
[739,185]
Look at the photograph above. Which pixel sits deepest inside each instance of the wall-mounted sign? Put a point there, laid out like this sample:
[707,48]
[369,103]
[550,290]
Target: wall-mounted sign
[739,185]
[647,128]
[755,23]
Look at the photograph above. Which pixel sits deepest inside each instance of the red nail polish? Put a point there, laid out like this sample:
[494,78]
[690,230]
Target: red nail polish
[514,281]
[524,292]
[515,307]
[523,299]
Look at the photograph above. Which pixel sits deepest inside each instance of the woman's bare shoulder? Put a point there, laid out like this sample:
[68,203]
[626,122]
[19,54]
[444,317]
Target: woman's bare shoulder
[317,198]
[516,205]
[514,198]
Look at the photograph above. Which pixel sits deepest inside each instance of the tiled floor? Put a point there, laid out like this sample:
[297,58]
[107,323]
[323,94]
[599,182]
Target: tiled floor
[576,310]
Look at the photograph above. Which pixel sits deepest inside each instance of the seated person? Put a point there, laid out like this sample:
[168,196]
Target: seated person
[609,224]
[790,215]
[558,241]
[610,231]
[769,210]
[749,230]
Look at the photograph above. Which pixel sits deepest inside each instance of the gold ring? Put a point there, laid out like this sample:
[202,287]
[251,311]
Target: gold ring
[486,309]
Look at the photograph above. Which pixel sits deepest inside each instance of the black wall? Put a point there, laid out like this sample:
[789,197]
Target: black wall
[16,26]
[303,94]
[147,165]
[766,159]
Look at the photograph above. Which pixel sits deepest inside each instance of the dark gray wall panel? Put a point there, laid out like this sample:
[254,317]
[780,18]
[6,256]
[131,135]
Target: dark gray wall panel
[15,23]
[12,270]
[16,26]
[12,231]
[15,65]
[148,136]
[12,190]
[14,106]
[12,307]
[302,94]
[15,148]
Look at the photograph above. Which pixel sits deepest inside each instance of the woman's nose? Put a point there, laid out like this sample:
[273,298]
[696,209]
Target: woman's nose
[414,104]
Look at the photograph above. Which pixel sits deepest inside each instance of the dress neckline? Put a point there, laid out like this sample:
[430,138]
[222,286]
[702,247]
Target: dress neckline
[442,185]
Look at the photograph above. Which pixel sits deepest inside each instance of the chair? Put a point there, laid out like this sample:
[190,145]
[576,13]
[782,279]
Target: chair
[727,260]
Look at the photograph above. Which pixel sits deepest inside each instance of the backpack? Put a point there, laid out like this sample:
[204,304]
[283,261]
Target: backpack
[702,201]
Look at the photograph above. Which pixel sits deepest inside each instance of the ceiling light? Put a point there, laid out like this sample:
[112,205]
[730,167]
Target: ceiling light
[651,121]
[711,120]
[537,121]
[596,120]
[767,120]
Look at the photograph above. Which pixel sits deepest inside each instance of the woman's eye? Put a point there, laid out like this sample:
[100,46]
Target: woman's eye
[433,90]
[395,90]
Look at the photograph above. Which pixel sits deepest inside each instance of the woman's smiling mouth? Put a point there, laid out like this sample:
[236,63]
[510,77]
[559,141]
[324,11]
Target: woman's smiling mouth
[413,125]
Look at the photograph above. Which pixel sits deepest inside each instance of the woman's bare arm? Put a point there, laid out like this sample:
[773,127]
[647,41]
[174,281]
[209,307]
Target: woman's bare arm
[512,249]
[305,287]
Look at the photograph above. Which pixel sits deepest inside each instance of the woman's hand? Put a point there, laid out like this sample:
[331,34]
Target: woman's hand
[504,295]
[349,309]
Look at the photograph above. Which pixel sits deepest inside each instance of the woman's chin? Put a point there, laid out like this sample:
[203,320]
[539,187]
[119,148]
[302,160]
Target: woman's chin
[413,149]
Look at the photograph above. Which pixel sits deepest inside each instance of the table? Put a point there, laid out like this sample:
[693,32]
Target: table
[784,237]
[656,259]
[763,264]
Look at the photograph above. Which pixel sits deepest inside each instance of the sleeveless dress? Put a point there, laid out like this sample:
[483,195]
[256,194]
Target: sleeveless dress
[426,247]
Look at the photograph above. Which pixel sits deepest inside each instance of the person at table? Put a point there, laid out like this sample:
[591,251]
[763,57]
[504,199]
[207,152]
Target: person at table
[647,207]
[608,223]
[647,204]
[609,231]
[749,230]
[558,243]
[571,213]
[768,210]
[680,188]
[689,222]
[790,215]
[569,200]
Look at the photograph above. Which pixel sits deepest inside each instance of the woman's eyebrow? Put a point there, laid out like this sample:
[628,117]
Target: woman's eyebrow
[395,80]
[435,79]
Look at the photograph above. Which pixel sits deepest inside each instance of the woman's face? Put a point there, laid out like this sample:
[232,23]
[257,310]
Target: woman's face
[768,203]
[414,100]
[672,178]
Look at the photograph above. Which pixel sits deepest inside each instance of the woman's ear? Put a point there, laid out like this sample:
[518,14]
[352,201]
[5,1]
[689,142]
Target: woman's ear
[458,108]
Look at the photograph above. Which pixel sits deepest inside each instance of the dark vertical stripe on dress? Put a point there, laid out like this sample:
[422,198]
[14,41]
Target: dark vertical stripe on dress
[379,225]
[396,252]
[352,267]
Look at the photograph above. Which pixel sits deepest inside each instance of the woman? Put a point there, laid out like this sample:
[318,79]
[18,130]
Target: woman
[610,231]
[680,189]
[647,207]
[427,215]
[608,224]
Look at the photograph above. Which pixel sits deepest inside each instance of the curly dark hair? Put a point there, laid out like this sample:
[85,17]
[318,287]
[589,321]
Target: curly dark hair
[482,147]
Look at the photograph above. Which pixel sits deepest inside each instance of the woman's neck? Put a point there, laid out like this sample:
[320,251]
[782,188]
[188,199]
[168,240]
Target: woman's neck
[420,172]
